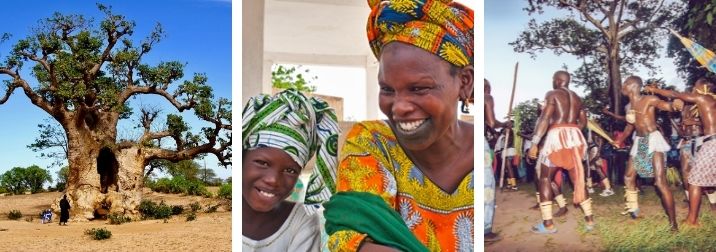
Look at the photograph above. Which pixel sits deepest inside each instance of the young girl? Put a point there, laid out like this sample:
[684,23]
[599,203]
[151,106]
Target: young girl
[279,135]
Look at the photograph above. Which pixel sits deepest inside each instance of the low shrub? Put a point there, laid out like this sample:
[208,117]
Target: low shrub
[212,209]
[191,216]
[150,209]
[225,191]
[117,218]
[161,185]
[163,211]
[14,215]
[195,206]
[147,208]
[98,233]
[177,209]
[181,185]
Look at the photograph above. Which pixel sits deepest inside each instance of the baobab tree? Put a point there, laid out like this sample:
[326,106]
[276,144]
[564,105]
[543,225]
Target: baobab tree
[85,76]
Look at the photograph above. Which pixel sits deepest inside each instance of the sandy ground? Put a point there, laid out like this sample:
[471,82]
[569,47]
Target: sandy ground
[209,232]
[513,220]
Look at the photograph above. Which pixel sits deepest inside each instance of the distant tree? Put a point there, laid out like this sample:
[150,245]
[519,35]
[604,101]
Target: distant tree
[529,113]
[696,22]
[285,78]
[62,176]
[185,168]
[611,37]
[35,177]
[207,175]
[14,180]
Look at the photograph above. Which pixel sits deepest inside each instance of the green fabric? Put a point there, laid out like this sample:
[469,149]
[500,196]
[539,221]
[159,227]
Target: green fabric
[367,213]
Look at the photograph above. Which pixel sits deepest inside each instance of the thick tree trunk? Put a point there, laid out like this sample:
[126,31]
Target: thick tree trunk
[103,179]
[83,185]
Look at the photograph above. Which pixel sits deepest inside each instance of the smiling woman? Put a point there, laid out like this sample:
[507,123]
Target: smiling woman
[407,183]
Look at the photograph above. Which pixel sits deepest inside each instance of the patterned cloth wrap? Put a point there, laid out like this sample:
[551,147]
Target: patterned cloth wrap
[372,161]
[441,27]
[643,152]
[703,170]
[301,127]
[489,189]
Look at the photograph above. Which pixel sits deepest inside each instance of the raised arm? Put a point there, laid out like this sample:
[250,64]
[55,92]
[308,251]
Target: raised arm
[662,105]
[612,115]
[687,97]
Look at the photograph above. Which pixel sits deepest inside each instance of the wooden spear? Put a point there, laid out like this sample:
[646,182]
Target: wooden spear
[507,131]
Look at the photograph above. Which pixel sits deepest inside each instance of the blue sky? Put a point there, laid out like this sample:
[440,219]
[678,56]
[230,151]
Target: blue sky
[197,32]
[503,23]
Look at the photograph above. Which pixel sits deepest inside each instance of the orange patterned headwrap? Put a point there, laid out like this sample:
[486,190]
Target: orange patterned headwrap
[441,27]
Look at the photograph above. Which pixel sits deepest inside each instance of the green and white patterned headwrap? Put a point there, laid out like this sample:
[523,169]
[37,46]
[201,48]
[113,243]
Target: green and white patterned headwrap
[301,127]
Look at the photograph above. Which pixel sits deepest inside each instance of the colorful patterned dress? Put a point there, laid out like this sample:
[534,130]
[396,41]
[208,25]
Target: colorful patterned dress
[489,203]
[372,161]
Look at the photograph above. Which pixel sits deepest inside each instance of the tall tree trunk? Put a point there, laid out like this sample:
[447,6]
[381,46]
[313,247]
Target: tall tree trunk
[615,79]
[83,185]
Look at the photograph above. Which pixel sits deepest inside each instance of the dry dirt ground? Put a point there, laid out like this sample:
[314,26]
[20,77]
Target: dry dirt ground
[513,220]
[209,232]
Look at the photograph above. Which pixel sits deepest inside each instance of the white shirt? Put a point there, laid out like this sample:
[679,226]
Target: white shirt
[300,232]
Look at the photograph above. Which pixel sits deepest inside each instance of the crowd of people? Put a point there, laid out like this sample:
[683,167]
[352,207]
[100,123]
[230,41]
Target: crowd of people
[562,145]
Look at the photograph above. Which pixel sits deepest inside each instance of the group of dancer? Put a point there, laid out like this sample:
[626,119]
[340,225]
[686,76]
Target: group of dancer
[559,144]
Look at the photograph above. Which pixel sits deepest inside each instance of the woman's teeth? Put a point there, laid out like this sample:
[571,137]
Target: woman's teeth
[410,126]
[267,194]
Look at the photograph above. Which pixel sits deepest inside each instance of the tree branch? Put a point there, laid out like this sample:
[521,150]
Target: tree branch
[133,90]
[11,88]
[647,24]
[582,8]
[148,135]
[33,57]
[37,99]
[176,156]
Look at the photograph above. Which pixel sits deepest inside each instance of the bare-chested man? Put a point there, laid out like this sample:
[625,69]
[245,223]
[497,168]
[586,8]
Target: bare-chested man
[563,147]
[556,188]
[647,155]
[689,130]
[703,171]
[492,123]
